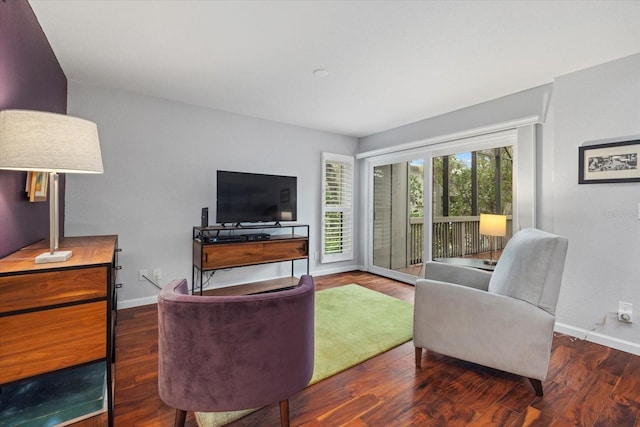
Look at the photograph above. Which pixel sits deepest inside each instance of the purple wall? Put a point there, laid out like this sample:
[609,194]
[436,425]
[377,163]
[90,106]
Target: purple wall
[30,78]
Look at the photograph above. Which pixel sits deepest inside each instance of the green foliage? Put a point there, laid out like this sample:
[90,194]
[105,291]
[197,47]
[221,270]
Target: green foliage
[460,183]
[416,191]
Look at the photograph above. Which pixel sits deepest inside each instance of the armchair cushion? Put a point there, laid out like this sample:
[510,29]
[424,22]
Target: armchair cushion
[530,268]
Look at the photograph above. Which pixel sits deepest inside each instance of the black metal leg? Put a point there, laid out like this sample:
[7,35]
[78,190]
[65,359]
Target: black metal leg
[537,386]
[418,357]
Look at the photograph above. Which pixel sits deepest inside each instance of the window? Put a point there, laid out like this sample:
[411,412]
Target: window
[337,208]
[465,185]
[473,182]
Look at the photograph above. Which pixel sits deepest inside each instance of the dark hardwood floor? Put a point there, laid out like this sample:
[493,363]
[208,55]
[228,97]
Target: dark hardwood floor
[588,384]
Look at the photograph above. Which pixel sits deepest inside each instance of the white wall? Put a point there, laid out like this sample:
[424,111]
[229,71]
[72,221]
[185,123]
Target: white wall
[601,103]
[160,160]
[600,220]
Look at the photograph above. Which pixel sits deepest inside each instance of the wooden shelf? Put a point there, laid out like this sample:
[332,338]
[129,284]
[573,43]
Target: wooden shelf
[249,227]
[70,395]
[254,288]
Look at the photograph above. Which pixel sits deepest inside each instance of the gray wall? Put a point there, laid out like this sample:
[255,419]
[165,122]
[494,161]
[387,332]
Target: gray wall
[601,221]
[515,106]
[160,160]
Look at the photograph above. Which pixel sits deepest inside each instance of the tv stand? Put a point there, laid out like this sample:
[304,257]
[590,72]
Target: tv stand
[220,247]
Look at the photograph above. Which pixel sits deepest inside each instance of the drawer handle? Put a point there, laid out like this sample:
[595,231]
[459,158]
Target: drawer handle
[118,285]
[118,249]
[118,267]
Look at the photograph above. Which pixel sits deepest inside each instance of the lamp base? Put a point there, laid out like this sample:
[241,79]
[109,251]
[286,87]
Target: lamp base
[57,256]
[490,261]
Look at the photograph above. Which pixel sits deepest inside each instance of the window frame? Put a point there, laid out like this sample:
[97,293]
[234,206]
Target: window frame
[345,207]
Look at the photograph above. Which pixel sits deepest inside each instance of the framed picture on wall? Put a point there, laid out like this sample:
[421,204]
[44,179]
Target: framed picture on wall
[609,163]
[36,187]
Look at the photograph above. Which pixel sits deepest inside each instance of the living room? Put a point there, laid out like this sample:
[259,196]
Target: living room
[160,158]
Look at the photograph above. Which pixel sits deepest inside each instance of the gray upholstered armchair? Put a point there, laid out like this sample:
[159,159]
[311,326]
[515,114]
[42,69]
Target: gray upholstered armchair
[503,320]
[229,353]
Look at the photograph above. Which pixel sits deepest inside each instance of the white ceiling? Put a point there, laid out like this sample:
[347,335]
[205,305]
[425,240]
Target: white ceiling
[390,62]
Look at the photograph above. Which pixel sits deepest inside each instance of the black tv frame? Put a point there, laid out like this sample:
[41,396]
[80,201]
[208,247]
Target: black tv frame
[253,198]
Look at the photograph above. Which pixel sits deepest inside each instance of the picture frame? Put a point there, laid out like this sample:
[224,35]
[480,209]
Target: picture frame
[36,187]
[614,162]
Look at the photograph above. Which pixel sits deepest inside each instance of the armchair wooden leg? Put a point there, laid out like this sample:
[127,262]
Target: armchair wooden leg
[418,357]
[284,413]
[181,417]
[537,386]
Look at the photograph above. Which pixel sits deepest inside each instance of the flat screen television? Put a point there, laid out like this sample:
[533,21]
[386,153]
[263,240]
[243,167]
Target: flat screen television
[252,197]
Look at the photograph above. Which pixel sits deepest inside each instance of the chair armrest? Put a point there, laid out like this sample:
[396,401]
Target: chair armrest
[460,275]
[486,328]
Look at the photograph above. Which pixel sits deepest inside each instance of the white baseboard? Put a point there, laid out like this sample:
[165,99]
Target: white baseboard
[345,269]
[598,338]
[137,302]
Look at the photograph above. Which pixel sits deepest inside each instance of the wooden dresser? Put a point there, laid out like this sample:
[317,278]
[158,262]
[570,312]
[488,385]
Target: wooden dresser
[57,326]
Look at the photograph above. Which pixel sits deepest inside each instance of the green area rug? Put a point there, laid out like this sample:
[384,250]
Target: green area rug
[352,325]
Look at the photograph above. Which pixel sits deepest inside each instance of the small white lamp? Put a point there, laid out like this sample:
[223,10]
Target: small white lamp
[493,225]
[53,143]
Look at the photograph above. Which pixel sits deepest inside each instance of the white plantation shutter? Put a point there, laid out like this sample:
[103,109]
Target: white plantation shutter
[337,208]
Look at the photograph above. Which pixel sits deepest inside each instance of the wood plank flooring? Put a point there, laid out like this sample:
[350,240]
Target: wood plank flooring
[588,384]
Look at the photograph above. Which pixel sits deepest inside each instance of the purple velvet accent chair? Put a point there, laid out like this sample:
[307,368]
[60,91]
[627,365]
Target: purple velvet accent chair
[227,353]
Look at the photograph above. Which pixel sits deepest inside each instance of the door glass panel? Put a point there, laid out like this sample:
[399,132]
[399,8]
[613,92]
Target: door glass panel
[465,185]
[398,216]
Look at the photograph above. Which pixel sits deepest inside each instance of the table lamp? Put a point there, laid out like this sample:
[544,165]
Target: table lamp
[493,225]
[54,143]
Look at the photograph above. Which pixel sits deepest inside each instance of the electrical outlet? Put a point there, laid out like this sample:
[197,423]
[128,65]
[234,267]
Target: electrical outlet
[141,274]
[157,274]
[625,312]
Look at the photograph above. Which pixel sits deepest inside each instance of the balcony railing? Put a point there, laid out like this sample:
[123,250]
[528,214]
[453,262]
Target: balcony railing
[454,237]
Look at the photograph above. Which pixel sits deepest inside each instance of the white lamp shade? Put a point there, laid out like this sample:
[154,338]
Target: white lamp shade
[48,142]
[493,225]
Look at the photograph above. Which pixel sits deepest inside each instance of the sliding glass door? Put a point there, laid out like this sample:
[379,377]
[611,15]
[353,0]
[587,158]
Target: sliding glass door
[468,183]
[397,228]
[426,204]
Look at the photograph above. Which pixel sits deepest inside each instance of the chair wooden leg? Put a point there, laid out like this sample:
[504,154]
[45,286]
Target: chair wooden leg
[284,413]
[537,386]
[181,417]
[418,357]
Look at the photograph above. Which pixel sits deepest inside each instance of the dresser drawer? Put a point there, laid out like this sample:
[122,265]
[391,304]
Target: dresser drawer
[284,250]
[239,254]
[27,291]
[47,340]
[231,255]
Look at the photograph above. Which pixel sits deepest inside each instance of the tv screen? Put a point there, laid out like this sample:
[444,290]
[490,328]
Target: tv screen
[251,197]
